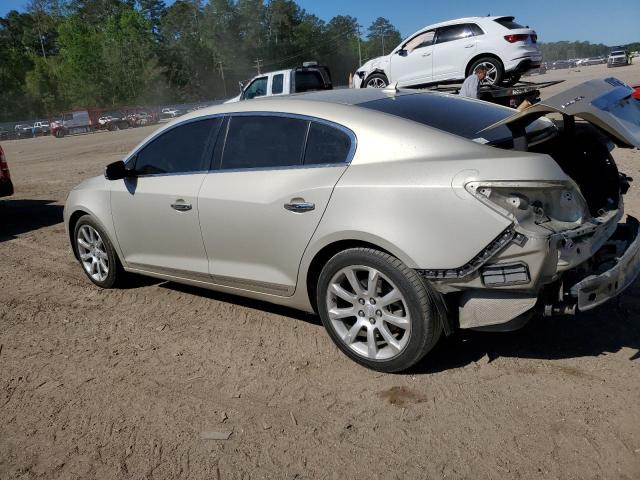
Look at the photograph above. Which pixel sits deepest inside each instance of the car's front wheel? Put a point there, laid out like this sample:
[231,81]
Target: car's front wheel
[495,70]
[377,80]
[378,311]
[96,253]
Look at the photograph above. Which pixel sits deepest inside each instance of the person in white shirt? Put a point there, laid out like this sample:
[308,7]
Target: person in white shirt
[472,83]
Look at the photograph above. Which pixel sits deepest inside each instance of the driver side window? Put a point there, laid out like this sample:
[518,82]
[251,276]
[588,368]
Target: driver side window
[258,88]
[421,40]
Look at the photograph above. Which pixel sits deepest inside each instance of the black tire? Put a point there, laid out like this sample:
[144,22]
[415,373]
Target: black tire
[424,307]
[494,62]
[116,273]
[376,78]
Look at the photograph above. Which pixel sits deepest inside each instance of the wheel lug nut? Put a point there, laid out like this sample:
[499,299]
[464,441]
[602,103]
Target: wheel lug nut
[361,313]
[361,301]
[379,313]
[372,320]
[373,301]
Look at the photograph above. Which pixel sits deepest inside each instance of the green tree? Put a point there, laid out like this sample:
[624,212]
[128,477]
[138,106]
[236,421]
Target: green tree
[382,36]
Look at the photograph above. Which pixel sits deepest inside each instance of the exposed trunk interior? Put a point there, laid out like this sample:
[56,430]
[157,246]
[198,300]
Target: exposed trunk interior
[581,151]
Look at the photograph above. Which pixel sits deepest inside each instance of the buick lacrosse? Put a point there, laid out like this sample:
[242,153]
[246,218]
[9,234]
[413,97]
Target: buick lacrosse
[395,215]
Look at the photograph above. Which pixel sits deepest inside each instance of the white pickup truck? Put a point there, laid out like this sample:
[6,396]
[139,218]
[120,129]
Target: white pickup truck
[309,77]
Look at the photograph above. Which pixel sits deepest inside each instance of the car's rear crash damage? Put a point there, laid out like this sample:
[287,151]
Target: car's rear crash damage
[567,249]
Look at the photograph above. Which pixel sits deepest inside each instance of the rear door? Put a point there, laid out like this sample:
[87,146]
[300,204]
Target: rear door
[259,210]
[412,63]
[454,47]
[156,214]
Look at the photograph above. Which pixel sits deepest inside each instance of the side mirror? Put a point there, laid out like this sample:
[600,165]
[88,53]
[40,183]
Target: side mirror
[117,171]
[402,52]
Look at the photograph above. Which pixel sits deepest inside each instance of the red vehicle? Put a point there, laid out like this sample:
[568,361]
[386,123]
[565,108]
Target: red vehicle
[636,93]
[6,187]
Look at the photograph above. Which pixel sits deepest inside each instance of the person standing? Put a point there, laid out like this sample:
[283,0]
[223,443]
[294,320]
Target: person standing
[471,84]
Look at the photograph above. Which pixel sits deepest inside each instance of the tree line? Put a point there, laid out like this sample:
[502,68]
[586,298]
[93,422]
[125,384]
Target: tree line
[63,54]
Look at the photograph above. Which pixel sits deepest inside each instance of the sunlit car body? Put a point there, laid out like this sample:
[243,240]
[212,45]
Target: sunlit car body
[450,51]
[393,214]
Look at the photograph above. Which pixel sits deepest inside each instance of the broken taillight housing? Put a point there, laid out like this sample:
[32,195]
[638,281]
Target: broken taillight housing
[536,202]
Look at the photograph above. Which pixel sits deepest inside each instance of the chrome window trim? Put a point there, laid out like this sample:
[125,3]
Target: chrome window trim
[347,131]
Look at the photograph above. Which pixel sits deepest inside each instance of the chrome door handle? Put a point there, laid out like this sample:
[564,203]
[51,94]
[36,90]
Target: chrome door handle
[181,207]
[426,54]
[300,207]
[469,46]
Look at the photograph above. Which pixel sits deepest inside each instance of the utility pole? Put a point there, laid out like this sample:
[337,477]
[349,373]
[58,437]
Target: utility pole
[383,44]
[258,64]
[359,47]
[224,84]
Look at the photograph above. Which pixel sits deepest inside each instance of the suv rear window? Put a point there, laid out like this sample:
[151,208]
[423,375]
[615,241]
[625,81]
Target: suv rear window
[460,117]
[508,22]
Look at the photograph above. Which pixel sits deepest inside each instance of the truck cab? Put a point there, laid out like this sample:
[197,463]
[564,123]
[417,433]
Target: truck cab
[309,77]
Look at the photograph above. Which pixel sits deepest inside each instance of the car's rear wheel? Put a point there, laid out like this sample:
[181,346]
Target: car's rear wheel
[378,311]
[377,80]
[495,70]
[96,253]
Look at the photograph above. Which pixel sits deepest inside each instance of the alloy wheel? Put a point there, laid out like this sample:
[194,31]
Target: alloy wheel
[92,253]
[492,73]
[368,312]
[376,82]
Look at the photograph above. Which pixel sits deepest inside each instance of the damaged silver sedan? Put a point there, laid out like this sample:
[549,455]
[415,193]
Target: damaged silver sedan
[395,215]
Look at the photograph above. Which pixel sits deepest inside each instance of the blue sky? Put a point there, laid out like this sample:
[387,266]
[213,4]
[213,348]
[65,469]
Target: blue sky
[612,23]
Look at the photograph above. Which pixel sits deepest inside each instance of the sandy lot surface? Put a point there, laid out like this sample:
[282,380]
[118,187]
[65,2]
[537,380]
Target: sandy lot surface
[125,383]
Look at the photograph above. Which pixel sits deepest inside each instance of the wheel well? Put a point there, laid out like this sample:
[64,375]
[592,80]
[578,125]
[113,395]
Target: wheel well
[324,255]
[75,216]
[377,70]
[478,57]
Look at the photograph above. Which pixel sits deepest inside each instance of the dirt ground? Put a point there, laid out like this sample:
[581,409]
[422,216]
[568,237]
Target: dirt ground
[129,383]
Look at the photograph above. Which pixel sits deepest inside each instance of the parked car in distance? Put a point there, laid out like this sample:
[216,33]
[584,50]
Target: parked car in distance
[6,186]
[41,128]
[618,58]
[405,213]
[4,134]
[450,51]
[170,113]
[72,123]
[23,130]
[308,78]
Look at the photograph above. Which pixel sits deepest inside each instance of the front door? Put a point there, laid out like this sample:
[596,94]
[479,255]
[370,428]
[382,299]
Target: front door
[259,210]
[412,64]
[155,213]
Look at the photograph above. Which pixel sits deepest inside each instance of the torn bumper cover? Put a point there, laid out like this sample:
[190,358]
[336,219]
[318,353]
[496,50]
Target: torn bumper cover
[598,288]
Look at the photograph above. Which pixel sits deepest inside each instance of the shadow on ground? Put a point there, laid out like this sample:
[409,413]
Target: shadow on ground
[607,329]
[22,216]
[246,302]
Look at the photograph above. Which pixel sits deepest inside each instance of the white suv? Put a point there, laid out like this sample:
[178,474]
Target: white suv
[450,51]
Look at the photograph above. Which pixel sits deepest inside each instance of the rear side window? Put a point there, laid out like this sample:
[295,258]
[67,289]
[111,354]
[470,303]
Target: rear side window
[508,22]
[264,142]
[326,145]
[308,81]
[277,85]
[182,149]
[453,32]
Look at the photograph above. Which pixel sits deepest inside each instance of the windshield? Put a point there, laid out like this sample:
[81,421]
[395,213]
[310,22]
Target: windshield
[617,53]
[459,116]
